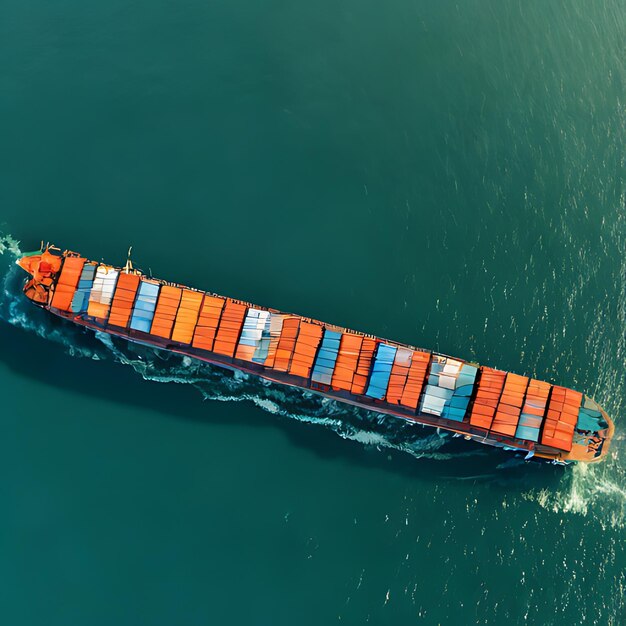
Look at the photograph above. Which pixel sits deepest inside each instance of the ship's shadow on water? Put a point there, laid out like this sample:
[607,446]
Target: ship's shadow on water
[374,441]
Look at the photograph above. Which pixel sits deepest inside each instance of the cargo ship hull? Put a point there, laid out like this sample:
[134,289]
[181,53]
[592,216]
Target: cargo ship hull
[512,405]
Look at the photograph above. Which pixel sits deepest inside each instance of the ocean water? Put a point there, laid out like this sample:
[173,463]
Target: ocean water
[447,174]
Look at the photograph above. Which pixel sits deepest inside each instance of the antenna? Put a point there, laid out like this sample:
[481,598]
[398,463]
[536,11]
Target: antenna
[128,268]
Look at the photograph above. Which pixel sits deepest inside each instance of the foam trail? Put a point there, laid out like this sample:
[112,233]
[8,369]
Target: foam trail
[597,489]
[215,384]
[10,245]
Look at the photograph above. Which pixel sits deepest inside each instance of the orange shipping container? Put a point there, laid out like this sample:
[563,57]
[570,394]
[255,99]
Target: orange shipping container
[510,406]
[67,283]
[208,321]
[229,328]
[561,418]
[286,344]
[305,349]
[187,317]
[347,361]
[490,386]
[415,379]
[123,300]
[368,347]
[165,312]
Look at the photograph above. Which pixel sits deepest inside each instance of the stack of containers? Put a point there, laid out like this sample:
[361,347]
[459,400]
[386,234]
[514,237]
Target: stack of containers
[286,343]
[489,389]
[230,326]
[510,405]
[377,387]
[67,283]
[102,291]
[252,333]
[80,301]
[456,407]
[187,316]
[326,358]
[440,385]
[276,328]
[399,375]
[589,417]
[533,410]
[361,375]
[563,409]
[415,379]
[166,311]
[145,304]
[123,300]
[305,349]
[208,321]
[347,361]
[262,350]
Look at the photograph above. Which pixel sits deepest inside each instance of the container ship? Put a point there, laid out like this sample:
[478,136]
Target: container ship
[483,404]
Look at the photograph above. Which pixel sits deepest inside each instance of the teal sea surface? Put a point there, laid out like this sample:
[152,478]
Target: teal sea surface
[447,174]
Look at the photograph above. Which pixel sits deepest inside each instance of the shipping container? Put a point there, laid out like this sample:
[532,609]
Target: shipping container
[208,321]
[187,316]
[123,300]
[305,349]
[326,358]
[381,371]
[145,304]
[67,282]
[347,361]
[80,300]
